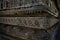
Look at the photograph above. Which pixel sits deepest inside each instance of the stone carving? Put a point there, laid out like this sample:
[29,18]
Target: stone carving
[32,22]
[29,6]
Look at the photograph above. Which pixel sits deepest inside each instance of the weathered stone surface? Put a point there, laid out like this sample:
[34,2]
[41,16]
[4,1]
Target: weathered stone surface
[32,6]
[38,27]
[25,33]
[58,3]
[32,22]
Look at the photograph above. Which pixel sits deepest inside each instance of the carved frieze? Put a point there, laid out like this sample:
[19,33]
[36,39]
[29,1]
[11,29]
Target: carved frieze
[32,22]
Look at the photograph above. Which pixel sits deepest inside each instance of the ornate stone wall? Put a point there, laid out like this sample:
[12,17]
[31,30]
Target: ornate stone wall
[28,19]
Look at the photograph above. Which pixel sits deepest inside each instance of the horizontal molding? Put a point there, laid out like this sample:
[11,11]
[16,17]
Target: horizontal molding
[32,22]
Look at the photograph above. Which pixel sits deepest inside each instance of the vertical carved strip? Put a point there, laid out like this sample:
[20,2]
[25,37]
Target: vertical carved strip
[11,3]
[3,4]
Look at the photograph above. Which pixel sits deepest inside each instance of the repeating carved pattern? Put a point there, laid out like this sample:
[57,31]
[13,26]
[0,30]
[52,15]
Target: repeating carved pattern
[17,21]
[29,6]
[33,22]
